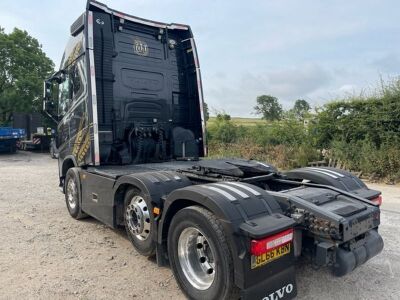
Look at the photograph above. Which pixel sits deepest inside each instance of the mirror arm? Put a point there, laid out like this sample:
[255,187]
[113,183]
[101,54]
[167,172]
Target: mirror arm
[51,116]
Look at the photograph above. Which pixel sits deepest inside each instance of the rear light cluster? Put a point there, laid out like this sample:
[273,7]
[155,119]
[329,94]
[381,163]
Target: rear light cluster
[377,200]
[264,245]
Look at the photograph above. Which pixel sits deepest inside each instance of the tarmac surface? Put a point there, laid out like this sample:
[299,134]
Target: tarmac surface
[45,254]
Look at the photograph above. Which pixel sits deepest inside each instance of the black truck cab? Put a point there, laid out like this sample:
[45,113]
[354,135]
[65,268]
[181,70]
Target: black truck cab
[131,139]
[129,91]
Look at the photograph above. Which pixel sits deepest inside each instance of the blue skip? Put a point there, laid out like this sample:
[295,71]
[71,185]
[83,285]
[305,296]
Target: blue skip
[9,138]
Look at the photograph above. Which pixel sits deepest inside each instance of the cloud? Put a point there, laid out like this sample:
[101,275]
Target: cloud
[291,35]
[389,63]
[238,96]
[298,81]
[316,50]
[348,88]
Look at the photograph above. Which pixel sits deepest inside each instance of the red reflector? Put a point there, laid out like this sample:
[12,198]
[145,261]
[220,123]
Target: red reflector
[377,200]
[259,247]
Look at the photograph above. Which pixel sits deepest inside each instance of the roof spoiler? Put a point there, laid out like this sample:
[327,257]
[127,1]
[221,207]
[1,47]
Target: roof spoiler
[79,24]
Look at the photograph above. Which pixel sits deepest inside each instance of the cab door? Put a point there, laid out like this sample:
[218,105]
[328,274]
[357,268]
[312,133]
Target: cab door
[73,131]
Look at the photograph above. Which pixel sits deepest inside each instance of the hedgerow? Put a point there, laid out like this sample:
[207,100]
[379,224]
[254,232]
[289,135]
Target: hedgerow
[362,132]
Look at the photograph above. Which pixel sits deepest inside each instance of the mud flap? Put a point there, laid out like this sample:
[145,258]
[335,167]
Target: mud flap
[279,286]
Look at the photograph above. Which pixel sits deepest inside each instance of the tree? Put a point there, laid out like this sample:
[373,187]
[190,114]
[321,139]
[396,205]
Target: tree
[301,108]
[23,67]
[269,107]
[223,130]
[223,116]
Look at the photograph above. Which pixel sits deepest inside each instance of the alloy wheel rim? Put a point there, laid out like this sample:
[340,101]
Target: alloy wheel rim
[196,257]
[138,218]
[72,194]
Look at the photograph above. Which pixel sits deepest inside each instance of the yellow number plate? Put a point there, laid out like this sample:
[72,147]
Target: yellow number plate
[260,260]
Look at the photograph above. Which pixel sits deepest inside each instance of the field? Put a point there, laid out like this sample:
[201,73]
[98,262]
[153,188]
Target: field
[240,121]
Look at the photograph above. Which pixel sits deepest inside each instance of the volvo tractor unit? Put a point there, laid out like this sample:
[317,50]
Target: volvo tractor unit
[131,139]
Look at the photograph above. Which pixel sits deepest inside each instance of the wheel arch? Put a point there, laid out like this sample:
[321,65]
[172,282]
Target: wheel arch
[237,207]
[329,176]
[190,196]
[336,178]
[67,163]
[119,198]
[171,211]
[181,199]
[155,185]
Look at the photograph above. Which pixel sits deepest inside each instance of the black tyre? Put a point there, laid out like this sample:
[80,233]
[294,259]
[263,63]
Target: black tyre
[13,148]
[72,195]
[139,221]
[52,152]
[199,255]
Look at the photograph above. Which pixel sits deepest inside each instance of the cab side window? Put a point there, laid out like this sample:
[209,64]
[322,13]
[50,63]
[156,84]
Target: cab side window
[64,96]
[76,81]
[70,89]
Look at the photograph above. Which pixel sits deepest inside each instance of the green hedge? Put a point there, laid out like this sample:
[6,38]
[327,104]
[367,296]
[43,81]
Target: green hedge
[362,132]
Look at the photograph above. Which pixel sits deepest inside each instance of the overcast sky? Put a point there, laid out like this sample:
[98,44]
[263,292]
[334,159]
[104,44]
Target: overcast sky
[315,50]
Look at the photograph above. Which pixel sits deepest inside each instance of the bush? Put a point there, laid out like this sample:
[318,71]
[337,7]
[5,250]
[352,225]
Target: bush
[223,130]
[366,156]
[362,132]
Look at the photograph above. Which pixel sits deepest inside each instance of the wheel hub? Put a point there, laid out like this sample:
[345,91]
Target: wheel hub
[138,218]
[71,193]
[196,257]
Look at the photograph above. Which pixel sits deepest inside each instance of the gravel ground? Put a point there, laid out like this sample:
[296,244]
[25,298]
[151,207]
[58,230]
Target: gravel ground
[44,253]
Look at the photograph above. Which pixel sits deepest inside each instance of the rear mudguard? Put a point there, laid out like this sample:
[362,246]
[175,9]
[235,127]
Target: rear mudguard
[245,211]
[334,177]
[154,185]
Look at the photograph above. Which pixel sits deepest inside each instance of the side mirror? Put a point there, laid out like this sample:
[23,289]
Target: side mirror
[59,77]
[50,94]
[47,90]
[50,101]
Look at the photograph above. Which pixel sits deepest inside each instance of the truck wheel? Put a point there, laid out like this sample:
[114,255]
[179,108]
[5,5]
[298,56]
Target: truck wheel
[52,152]
[72,195]
[199,255]
[138,221]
